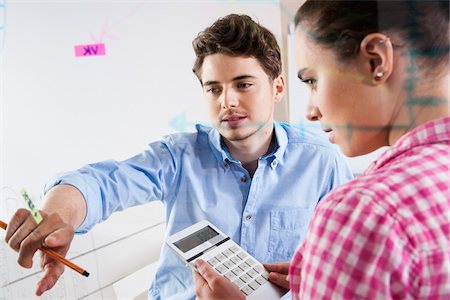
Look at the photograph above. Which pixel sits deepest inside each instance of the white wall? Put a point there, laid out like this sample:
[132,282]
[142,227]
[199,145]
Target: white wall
[59,112]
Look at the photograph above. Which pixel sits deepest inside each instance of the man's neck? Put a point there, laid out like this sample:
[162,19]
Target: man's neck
[248,151]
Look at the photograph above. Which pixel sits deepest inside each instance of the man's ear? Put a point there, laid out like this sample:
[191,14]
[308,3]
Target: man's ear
[278,88]
[377,54]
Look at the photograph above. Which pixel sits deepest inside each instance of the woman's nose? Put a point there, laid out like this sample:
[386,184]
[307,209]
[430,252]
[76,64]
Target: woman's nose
[313,113]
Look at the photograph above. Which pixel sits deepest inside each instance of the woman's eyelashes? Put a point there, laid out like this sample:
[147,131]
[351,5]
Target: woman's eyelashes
[311,82]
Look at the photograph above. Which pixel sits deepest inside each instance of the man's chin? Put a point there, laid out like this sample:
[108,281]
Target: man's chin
[234,135]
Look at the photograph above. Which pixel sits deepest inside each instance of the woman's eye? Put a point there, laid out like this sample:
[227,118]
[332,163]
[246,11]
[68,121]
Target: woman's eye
[309,81]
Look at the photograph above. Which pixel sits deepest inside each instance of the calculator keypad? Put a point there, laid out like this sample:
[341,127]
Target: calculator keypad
[240,269]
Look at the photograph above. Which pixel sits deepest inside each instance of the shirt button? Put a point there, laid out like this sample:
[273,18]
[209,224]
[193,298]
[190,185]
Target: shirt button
[274,163]
[244,179]
[225,165]
[248,217]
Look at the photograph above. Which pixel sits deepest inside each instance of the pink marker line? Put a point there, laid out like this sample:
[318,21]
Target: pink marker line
[90,50]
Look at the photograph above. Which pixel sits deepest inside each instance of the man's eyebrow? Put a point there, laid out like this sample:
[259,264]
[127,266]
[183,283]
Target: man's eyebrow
[237,78]
[243,77]
[301,73]
[211,82]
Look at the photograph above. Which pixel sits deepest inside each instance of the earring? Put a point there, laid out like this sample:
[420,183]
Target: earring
[379,75]
[384,40]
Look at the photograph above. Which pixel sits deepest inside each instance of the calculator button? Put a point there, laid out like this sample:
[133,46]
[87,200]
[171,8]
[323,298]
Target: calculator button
[244,267]
[229,264]
[259,268]
[230,276]
[238,271]
[221,269]
[239,283]
[261,280]
[227,253]
[236,259]
[220,257]
[252,273]
[213,261]
[242,255]
[246,278]
[234,249]
[250,262]
[265,275]
[254,285]
[247,290]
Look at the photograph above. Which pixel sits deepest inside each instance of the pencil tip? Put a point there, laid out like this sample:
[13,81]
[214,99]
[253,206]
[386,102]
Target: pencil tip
[86,274]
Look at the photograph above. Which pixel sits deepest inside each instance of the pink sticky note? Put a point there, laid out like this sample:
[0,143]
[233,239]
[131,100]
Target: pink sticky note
[90,50]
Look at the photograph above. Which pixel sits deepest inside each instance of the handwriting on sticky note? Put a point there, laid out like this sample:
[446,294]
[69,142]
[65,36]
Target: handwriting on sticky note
[90,50]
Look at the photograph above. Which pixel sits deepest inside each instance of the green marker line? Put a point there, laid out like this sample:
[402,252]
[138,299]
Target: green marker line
[34,212]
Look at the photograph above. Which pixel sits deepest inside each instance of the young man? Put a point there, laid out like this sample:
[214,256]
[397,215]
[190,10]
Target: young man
[266,176]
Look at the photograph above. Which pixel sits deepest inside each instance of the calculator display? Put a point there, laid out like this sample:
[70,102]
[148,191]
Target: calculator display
[196,239]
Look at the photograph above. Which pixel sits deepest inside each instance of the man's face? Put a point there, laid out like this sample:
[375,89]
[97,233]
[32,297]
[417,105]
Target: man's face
[240,96]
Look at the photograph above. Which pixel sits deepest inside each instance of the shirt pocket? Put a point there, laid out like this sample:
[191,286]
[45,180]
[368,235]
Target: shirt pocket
[287,230]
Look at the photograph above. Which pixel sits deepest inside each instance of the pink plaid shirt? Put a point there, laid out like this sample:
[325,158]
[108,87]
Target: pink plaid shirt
[386,234]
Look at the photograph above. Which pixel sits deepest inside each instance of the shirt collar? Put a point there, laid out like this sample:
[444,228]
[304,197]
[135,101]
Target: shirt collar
[436,131]
[223,154]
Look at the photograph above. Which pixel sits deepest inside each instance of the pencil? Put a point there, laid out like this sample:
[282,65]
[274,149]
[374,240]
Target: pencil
[56,256]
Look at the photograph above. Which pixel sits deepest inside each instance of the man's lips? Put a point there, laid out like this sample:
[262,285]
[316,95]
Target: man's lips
[232,118]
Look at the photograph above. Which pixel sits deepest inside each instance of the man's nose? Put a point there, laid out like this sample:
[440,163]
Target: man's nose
[229,99]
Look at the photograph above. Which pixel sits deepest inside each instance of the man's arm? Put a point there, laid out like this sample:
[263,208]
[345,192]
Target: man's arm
[64,209]
[68,202]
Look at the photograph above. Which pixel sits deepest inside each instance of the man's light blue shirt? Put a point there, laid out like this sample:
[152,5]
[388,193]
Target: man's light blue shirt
[195,177]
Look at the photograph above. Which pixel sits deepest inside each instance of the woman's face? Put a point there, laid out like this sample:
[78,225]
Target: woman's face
[343,97]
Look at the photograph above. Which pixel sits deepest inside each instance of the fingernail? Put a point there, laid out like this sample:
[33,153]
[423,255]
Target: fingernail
[198,262]
[49,240]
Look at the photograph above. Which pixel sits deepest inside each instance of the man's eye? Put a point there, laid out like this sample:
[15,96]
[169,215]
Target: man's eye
[213,90]
[244,85]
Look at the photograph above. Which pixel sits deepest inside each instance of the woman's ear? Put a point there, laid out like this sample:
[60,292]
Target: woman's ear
[278,86]
[377,53]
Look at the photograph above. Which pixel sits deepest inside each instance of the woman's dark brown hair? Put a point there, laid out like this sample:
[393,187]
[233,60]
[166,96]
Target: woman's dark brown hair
[342,25]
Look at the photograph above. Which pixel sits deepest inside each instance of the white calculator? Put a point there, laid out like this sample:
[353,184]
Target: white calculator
[204,240]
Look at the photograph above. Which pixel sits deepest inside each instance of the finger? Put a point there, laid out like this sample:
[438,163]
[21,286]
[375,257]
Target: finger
[51,224]
[31,244]
[52,271]
[59,238]
[279,279]
[16,223]
[16,239]
[278,267]
[201,285]
[206,271]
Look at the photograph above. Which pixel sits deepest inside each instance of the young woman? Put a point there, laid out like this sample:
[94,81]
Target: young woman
[378,73]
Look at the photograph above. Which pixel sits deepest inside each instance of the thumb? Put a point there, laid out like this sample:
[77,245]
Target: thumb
[279,279]
[58,238]
[205,270]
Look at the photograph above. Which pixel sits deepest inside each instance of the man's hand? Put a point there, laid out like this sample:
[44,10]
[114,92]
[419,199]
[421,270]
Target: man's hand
[210,285]
[26,237]
[278,273]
